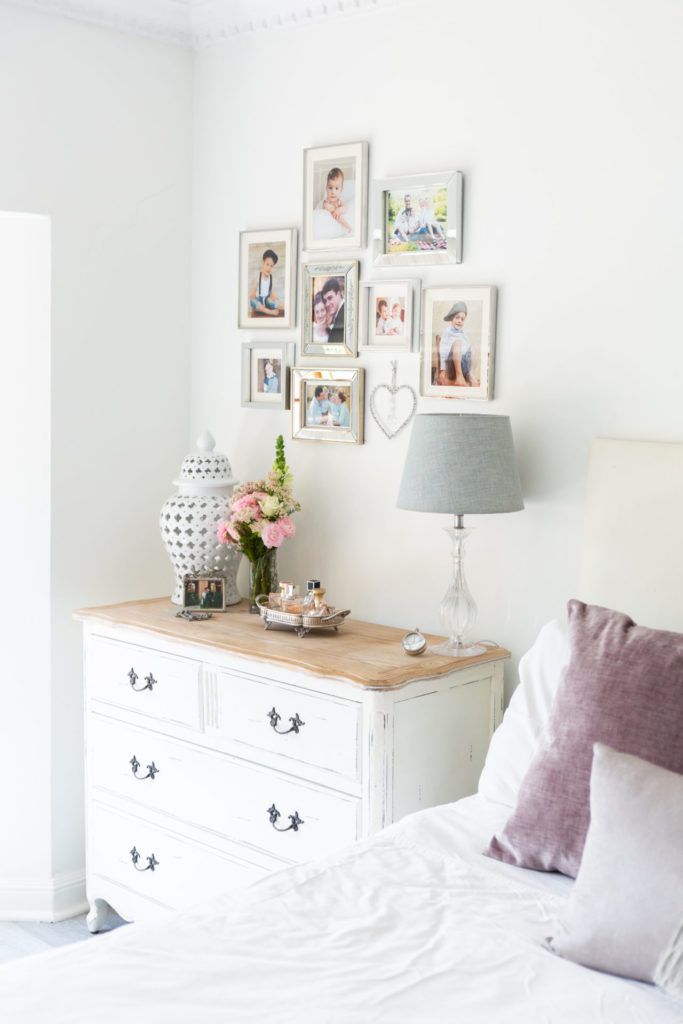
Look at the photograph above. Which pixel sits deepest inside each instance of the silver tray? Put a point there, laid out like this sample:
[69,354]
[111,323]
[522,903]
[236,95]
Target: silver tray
[301,624]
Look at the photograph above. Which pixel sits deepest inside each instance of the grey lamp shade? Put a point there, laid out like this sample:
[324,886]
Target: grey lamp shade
[459,463]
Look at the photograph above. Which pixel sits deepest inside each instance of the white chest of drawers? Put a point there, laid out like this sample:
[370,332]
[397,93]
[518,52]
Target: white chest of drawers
[218,752]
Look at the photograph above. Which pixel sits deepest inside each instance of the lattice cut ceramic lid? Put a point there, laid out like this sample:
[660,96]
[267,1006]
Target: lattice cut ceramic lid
[205,468]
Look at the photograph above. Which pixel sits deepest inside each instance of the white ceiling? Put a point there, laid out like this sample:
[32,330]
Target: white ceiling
[197,23]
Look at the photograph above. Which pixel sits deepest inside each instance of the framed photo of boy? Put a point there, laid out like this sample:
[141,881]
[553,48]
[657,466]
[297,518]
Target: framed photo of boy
[386,316]
[458,338]
[267,278]
[418,220]
[330,309]
[327,405]
[336,197]
[265,374]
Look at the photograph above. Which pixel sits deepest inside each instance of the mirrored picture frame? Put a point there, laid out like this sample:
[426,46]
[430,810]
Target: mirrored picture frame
[417,220]
[329,309]
[328,404]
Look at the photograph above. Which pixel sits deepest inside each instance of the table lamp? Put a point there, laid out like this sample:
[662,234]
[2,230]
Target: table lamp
[460,463]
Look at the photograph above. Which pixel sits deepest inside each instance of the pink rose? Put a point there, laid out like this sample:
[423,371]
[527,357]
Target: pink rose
[272,535]
[287,526]
[227,533]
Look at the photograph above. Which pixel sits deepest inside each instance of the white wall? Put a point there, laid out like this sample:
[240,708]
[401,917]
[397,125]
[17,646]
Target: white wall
[95,130]
[565,119]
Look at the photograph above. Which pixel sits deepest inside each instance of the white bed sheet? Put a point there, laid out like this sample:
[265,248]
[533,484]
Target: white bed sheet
[412,927]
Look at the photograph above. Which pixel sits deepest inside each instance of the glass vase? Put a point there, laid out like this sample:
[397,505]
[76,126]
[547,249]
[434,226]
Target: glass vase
[262,577]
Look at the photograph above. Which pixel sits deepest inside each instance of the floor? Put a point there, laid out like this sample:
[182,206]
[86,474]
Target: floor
[22,938]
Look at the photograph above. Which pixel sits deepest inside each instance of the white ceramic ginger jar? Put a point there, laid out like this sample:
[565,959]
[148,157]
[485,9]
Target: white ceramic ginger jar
[189,519]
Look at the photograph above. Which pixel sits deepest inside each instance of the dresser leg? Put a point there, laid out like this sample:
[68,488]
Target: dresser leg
[101,916]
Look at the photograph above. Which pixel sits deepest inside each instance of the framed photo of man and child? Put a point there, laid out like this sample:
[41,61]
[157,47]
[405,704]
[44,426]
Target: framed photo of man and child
[458,339]
[265,374]
[386,316]
[327,405]
[335,197]
[418,220]
[330,311]
[267,285]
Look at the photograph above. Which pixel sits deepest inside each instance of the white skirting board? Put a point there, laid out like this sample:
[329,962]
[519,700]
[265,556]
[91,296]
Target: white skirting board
[53,898]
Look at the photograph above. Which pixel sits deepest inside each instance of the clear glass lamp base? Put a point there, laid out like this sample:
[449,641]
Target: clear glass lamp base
[458,609]
[453,649]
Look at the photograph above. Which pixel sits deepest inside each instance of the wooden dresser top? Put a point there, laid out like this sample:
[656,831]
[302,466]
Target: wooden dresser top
[362,652]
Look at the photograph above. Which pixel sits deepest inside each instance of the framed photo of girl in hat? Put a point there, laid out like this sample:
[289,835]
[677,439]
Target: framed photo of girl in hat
[457,342]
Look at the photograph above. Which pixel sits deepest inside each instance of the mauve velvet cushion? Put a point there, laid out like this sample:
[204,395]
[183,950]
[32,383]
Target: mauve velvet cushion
[623,686]
[624,912]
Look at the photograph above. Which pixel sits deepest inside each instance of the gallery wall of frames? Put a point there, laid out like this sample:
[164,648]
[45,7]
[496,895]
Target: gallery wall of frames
[342,309]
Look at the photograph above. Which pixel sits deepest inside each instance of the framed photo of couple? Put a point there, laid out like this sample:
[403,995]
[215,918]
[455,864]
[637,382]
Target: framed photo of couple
[458,338]
[267,279]
[330,311]
[327,405]
[265,374]
[418,220]
[335,197]
[386,316]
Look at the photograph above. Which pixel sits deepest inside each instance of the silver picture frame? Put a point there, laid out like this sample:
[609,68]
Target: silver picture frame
[255,247]
[336,336]
[265,374]
[387,315]
[328,405]
[417,239]
[324,228]
[467,373]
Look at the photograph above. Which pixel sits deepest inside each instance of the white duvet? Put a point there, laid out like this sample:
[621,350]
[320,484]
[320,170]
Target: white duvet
[412,927]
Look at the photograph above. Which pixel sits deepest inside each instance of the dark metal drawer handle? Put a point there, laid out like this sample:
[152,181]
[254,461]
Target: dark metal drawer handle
[151,861]
[149,681]
[275,718]
[294,819]
[151,769]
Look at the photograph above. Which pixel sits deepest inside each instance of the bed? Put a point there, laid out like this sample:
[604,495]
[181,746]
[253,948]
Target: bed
[415,924]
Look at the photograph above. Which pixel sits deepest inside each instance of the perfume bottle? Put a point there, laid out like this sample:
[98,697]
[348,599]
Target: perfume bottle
[289,598]
[308,602]
[319,607]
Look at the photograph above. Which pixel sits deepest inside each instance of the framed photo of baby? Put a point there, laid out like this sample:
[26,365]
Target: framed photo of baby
[265,374]
[418,220]
[335,197]
[458,338]
[267,279]
[329,304]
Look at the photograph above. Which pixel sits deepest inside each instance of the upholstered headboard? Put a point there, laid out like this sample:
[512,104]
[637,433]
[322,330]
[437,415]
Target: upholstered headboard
[632,547]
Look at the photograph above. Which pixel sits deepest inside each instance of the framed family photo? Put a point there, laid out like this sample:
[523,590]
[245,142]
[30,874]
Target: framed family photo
[418,220]
[458,339]
[267,278]
[329,309]
[265,374]
[335,197]
[204,592]
[386,316]
[327,405]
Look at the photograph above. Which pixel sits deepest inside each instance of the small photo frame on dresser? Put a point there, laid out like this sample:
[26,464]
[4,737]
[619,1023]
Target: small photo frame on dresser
[203,593]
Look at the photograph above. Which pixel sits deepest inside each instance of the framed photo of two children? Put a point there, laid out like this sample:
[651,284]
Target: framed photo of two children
[335,197]
[267,284]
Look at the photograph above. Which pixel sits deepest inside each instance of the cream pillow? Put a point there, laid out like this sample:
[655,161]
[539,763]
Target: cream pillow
[626,906]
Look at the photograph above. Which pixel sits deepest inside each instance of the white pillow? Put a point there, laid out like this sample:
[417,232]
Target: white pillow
[626,908]
[514,742]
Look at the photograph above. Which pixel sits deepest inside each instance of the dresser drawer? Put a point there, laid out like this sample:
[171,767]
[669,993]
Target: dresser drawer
[226,796]
[160,865]
[311,730]
[143,680]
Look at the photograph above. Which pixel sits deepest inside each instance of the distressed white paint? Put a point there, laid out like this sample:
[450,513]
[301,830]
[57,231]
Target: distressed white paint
[361,759]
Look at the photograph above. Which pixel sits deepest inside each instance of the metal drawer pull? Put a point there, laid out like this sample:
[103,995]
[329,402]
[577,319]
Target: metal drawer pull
[151,769]
[149,681]
[295,820]
[275,718]
[151,861]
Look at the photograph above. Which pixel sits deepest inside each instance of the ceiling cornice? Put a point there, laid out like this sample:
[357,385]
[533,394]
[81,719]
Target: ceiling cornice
[197,24]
